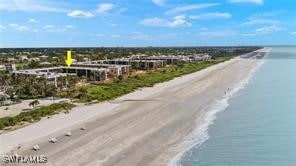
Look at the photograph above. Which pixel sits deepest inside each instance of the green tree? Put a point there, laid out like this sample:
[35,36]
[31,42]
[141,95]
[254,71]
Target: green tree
[51,91]
[82,93]
[72,93]
[34,103]
[11,93]
[34,64]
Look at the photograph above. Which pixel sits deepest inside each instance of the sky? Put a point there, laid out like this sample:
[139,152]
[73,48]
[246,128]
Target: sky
[132,23]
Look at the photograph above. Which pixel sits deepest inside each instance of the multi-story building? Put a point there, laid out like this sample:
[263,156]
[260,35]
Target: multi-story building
[51,74]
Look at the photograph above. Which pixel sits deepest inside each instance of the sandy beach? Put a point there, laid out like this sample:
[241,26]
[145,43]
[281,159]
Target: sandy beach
[15,109]
[141,128]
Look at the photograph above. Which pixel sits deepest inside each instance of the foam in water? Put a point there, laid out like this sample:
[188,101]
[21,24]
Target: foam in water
[200,134]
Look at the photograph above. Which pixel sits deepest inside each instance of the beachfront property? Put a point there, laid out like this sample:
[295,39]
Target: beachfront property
[91,71]
[51,74]
[143,62]
[107,69]
[175,59]
[138,64]
[9,66]
[113,71]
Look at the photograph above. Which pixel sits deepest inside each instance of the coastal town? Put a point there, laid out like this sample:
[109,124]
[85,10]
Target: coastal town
[33,93]
[147,83]
[90,66]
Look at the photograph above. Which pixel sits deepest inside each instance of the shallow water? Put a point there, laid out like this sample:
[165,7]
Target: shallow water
[258,127]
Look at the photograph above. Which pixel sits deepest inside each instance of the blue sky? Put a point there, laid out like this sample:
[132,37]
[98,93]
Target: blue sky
[83,23]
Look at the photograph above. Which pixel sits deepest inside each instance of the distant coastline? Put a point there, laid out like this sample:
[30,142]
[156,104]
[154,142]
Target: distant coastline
[200,134]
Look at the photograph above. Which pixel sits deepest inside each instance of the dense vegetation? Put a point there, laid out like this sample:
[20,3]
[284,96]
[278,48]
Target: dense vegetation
[56,56]
[37,87]
[34,115]
[5,78]
[120,87]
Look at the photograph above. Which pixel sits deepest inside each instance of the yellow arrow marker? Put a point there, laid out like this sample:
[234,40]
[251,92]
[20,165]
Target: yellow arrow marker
[69,59]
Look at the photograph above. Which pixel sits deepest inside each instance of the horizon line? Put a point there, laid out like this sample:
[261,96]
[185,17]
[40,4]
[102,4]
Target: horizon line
[149,46]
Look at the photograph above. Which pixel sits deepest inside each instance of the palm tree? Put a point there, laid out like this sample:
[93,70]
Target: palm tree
[51,91]
[42,84]
[5,80]
[62,81]
[82,93]
[72,80]
[34,103]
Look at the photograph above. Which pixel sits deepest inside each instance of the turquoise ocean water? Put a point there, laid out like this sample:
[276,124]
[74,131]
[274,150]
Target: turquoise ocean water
[258,128]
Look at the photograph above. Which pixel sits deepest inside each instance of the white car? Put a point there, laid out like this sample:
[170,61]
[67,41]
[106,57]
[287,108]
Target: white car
[36,147]
[69,134]
[53,140]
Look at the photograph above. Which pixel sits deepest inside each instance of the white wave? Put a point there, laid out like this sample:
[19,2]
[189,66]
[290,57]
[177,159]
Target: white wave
[200,134]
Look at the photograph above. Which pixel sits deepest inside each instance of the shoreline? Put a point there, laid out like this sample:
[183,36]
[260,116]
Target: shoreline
[122,115]
[200,134]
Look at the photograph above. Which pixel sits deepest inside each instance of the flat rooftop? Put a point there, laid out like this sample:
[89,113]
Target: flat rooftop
[95,64]
[51,72]
[57,68]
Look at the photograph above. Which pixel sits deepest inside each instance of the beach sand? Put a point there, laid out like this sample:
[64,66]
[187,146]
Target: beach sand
[15,109]
[141,128]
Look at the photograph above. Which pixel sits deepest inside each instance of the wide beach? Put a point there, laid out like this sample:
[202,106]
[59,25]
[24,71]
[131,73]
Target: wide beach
[142,128]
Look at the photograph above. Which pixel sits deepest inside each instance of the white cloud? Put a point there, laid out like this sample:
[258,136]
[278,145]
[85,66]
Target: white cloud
[208,16]
[115,36]
[264,30]
[22,28]
[69,27]
[179,17]
[256,21]
[158,22]
[19,27]
[204,29]
[139,36]
[31,20]
[52,28]
[265,18]
[216,34]
[105,7]
[61,30]
[249,34]
[113,24]
[159,2]
[191,7]
[177,21]
[266,14]
[100,35]
[48,27]
[35,30]
[293,33]
[13,25]
[80,14]
[121,10]
[1,27]
[268,29]
[29,6]
[258,2]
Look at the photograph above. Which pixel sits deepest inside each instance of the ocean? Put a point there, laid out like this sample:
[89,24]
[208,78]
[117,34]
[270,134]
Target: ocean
[256,126]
